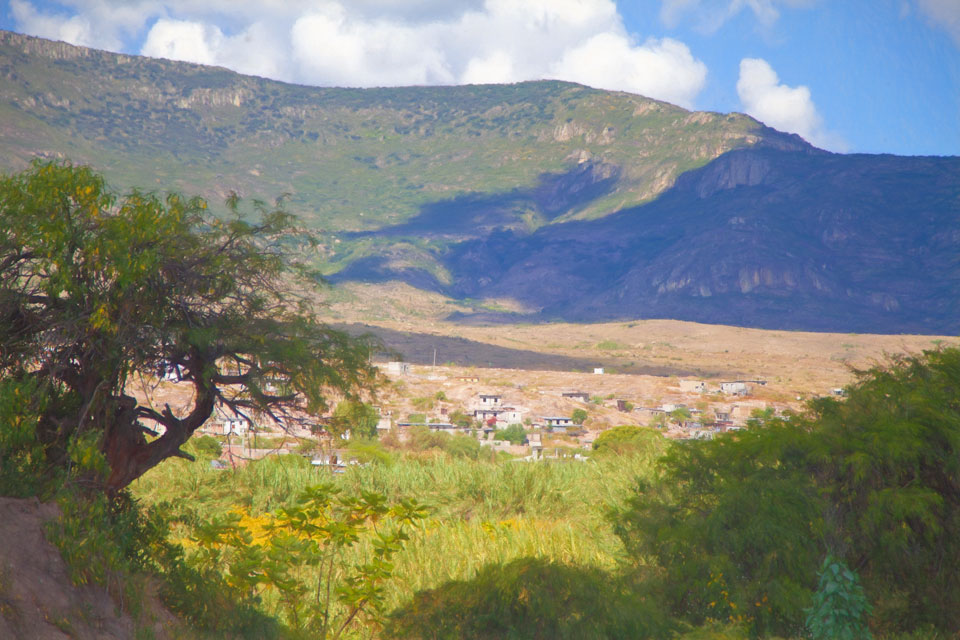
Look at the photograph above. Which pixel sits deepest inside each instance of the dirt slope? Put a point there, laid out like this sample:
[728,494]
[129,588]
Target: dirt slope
[38,600]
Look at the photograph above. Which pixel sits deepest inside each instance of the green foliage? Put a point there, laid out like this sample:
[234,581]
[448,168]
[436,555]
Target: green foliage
[514,433]
[579,416]
[294,558]
[23,463]
[207,446]
[423,404]
[736,525]
[460,418]
[417,418]
[528,598]
[630,439]
[735,528]
[359,417]
[456,445]
[369,450]
[839,605]
[97,289]
[680,414]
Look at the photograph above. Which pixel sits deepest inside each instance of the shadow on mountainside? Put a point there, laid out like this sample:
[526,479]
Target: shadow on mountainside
[418,348]
[759,237]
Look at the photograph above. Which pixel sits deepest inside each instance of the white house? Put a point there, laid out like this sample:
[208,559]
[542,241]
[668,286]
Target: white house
[234,426]
[734,388]
[490,401]
[398,368]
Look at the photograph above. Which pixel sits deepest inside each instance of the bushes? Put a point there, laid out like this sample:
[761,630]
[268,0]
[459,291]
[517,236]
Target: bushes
[528,598]
[458,445]
[514,434]
[630,439]
[737,526]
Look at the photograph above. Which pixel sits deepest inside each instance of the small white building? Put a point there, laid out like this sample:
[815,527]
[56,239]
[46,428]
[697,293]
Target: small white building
[398,368]
[234,426]
[693,386]
[734,388]
[490,401]
[598,371]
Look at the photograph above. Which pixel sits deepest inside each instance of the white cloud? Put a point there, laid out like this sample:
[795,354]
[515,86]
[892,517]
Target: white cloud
[789,109]
[182,40]
[944,14]
[662,68]
[391,42]
[710,15]
[74,29]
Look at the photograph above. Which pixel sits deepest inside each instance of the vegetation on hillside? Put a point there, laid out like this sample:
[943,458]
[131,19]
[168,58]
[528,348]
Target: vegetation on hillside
[513,156]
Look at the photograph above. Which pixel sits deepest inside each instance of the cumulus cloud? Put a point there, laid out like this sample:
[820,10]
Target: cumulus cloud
[944,14]
[75,29]
[391,42]
[183,40]
[662,68]
[710,15]
[789,109]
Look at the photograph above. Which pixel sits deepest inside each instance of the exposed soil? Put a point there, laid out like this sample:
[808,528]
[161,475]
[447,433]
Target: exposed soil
[39,602]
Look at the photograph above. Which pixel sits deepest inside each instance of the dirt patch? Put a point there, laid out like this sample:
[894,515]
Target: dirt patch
[38,600]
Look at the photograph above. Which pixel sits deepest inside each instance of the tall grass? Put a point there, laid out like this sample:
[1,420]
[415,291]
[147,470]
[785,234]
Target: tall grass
[481,512]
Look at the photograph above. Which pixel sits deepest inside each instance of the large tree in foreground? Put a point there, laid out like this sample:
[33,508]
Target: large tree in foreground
[98,290]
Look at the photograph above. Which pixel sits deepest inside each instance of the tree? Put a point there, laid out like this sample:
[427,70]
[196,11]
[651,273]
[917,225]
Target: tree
[737,525]
[514,434]
[629,439]
[98,290]
[359,418]
[579,416]
[681,415]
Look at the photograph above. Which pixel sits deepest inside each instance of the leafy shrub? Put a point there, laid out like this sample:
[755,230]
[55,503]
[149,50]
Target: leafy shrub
[207,446]
[528,598]
[359,417]
[458,445]
[24,468]
[579,416]
[295,557]
[423,404]
[630,439]
[874,479]
[839,606]
[514,433]
[460,418]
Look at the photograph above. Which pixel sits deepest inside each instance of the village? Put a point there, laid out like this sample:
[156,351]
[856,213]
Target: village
[551,414]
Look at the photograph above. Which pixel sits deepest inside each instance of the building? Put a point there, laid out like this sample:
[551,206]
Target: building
[582,396]
[735,388]
[693,386]
[398,368]
[490,400]
[558,424]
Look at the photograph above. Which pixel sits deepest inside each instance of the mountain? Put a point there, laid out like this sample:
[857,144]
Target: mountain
[579,204]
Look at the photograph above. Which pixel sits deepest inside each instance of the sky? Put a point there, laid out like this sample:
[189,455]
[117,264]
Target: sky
[852,76]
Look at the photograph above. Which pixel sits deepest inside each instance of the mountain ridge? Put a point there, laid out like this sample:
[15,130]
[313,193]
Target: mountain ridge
[576,203]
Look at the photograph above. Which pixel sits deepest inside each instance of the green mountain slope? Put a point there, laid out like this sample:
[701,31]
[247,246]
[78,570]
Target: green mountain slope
[352,159]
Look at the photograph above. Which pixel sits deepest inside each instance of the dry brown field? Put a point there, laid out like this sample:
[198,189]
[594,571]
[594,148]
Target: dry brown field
[532,365]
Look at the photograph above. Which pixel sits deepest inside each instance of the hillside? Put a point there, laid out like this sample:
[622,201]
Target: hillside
[759,237]
[350,158]
[567,202]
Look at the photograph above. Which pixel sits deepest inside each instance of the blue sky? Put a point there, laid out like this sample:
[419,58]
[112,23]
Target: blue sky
[874,76]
